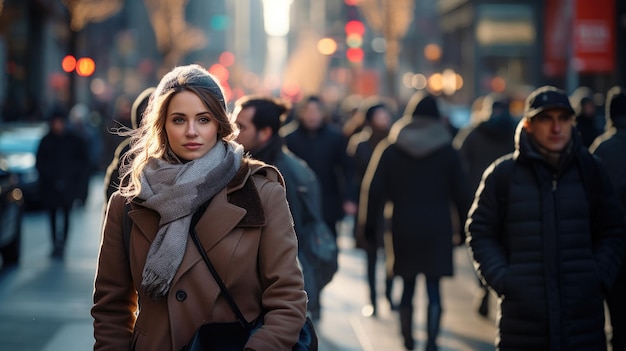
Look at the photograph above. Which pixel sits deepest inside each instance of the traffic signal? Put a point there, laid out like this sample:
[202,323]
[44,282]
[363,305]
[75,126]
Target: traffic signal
[355,54]
[68,63]
[355,30]
[84,66]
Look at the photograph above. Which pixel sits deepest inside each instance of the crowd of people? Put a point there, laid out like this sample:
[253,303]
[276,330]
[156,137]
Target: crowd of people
[537,201]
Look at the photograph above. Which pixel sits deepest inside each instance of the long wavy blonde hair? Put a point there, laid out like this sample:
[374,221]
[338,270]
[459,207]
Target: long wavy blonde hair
[149,140]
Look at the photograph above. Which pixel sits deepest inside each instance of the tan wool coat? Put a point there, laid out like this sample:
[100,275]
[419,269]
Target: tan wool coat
[248,234]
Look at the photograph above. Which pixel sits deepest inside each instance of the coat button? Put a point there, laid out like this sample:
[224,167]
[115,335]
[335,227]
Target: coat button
[181,295]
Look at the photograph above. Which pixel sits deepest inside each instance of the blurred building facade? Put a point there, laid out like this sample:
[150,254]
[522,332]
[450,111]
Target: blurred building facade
[334,48]
[518,45]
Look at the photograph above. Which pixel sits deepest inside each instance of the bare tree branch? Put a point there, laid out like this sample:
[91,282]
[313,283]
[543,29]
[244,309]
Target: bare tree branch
[85,11]
[174,36]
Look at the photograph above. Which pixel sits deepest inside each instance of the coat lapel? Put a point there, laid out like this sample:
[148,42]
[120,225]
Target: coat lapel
[239,205]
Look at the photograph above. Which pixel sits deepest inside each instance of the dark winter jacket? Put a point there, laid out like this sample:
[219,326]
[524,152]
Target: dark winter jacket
[300,185]
[586,127]
[61,161]
[299,177]
[417,169]
[610,148]
[538,253]
[360,149]
[324,150]
[485,143]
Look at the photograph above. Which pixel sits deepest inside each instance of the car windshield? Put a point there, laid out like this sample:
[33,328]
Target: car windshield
[19,143]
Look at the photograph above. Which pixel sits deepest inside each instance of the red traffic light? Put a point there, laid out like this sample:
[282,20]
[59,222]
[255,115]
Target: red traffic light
[355,54]
[355,27]
[68,63]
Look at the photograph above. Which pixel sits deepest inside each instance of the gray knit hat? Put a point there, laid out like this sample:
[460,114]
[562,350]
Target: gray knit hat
[191,76]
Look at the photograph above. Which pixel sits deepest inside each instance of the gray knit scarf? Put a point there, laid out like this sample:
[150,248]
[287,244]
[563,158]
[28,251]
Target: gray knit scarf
[176,191]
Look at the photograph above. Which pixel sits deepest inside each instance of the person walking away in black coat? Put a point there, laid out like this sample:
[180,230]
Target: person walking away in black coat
[483,144]
[259,119]
[377,121]
[421,174]
[546,232]
[323,147]
[610,147]
[61,160]
[586,118]
[81,125]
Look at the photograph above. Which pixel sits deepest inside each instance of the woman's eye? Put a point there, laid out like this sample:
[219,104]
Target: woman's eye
[204,119]
[178,120]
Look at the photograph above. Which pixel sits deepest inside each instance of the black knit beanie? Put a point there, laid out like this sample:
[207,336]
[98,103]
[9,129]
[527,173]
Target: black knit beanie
[422,105]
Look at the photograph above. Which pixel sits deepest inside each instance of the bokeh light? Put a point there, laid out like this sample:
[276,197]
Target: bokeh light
[419,81]
[220,72]
[432,52]
[85,66]
[355,54]
[227,59]
[68,63]
[498,84]
[327,46]
[355,27]
[435,83]
[379,45]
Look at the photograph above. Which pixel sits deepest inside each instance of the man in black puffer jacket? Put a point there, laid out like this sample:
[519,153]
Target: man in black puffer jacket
[548,248]
[610,148]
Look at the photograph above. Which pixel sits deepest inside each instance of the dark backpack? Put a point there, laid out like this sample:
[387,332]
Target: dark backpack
[320,245]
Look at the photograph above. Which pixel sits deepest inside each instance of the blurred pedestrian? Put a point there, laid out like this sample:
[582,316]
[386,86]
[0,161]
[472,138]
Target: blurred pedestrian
[610,148]
[184,165]
[377,121]
[112,176]
[421,174]
[60,160]
[483,144]
[259,119]
[548,255]
[80,125]
[586,116]
[353,121]
[322,146]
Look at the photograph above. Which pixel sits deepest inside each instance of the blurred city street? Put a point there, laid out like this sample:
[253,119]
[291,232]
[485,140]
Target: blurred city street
[45,301]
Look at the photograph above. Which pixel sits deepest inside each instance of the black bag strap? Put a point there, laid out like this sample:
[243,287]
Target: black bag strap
[229,299]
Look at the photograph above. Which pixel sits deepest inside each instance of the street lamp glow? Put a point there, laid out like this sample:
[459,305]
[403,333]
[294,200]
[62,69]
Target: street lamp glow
[327,46]
[276,17]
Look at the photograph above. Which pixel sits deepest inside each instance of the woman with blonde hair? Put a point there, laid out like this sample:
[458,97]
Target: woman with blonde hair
[154,291]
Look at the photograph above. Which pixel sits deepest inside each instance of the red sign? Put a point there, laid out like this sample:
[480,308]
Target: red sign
[557,37]
[594,36]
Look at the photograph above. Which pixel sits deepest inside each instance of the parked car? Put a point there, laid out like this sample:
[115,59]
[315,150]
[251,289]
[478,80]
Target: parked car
[18,147]
[11,209]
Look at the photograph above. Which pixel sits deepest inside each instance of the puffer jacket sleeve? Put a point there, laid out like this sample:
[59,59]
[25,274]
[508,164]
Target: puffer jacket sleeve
[284,299]
[484,235]
[114,297]
[609,232]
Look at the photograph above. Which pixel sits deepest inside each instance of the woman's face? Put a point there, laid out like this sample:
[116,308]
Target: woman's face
[191,129]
